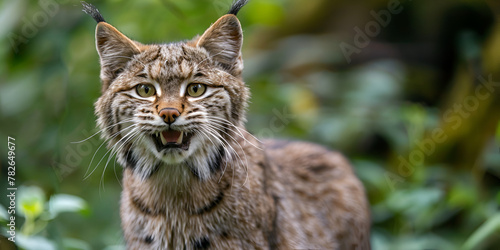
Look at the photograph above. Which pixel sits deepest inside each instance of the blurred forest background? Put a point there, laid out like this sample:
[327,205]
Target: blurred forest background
[408,90]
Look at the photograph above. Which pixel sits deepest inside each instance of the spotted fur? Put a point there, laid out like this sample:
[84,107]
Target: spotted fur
[223,189]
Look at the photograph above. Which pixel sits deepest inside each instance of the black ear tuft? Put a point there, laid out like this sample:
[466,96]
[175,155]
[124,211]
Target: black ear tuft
[91,10]
[236,6]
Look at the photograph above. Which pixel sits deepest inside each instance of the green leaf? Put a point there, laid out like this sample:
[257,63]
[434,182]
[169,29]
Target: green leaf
[10,14]
[408,201]
[480,237]
[34,243]
[31,201]
[60,203]
[73,244]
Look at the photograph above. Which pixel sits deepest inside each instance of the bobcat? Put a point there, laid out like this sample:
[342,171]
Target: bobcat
[194,178]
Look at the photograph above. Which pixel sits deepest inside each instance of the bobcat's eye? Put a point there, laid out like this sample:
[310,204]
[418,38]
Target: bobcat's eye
[145,90]
[196,89]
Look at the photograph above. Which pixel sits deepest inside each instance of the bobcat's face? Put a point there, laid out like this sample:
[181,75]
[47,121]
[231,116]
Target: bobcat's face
[171,104]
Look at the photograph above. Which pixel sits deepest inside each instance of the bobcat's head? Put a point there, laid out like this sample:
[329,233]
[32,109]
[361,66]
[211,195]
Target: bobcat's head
[174,105]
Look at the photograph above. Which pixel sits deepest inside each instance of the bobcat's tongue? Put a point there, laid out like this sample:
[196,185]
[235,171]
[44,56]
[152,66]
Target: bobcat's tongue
[171,136]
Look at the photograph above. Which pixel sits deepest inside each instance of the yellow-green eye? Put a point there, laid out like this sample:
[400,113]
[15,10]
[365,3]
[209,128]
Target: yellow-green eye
[196,89]
[145,90]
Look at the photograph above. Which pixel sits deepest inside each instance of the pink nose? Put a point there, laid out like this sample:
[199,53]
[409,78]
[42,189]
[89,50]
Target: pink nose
[169,115]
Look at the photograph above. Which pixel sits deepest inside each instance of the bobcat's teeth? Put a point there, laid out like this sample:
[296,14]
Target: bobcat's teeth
[163,140]
[179,140]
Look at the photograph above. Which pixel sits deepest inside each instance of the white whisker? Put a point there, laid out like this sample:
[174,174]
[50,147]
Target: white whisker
[102,130]
[215,129]
[222,121]
[134,132]
[116,134]
[105,141]
[222,144]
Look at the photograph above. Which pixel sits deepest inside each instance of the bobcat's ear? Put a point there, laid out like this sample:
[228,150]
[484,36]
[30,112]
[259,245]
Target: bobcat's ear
[223,42]
[115,50]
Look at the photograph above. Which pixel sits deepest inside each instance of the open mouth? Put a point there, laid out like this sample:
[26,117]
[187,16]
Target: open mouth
[172,139]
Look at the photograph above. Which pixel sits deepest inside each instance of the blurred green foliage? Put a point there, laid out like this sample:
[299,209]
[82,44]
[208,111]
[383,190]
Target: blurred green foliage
[36,212]
[431,170]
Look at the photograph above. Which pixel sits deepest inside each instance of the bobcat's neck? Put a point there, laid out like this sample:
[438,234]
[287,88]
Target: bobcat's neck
[157,197]
[178,188]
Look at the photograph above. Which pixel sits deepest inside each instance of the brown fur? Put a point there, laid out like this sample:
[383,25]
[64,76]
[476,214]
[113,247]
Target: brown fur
[228,190]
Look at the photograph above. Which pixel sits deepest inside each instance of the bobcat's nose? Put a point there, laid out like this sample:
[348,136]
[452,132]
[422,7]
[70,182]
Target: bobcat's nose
[169,115]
